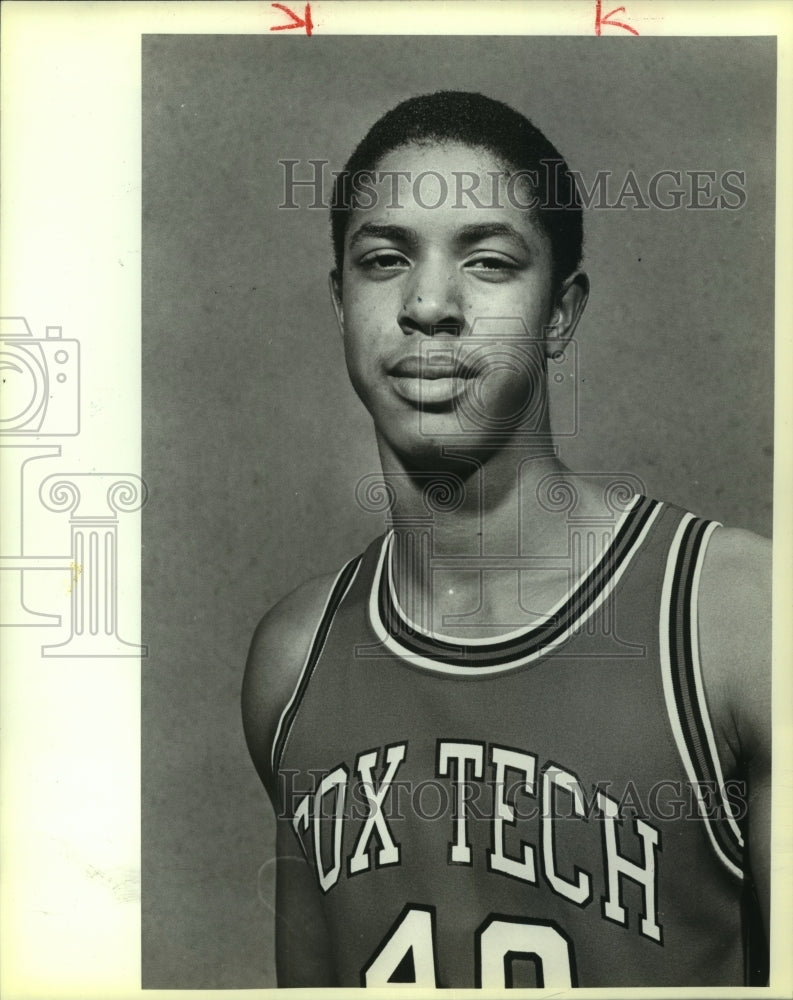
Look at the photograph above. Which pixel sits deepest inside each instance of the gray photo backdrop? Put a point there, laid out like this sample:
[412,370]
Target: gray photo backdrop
[253,441]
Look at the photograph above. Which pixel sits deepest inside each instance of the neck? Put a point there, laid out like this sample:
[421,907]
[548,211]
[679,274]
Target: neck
[486,536]
[474,502]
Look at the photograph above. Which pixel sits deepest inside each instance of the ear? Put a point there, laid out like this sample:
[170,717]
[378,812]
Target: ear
[334,283]
[567,311]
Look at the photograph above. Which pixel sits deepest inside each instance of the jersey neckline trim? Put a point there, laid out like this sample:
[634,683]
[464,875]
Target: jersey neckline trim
[514,649]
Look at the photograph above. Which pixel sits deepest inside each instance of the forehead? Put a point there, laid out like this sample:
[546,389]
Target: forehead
[442,156]
[440,187]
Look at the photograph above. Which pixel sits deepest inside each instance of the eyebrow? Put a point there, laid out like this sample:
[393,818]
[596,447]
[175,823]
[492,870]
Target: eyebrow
[477,231]
[472,233]
[371,230]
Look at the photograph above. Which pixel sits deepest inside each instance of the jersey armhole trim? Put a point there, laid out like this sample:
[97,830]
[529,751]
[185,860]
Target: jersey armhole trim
[684,690]
[336,595]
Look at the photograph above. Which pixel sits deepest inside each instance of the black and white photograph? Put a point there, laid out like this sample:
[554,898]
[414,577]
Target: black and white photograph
[396,488]
[493,500]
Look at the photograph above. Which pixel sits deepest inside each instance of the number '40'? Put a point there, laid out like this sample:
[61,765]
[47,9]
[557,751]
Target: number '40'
[408,953]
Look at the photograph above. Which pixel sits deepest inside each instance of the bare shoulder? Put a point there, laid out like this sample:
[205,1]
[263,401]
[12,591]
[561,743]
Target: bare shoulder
[735,636]
[277,653]
[735,590]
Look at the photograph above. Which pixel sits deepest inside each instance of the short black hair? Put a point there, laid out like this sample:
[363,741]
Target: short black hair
[481,122]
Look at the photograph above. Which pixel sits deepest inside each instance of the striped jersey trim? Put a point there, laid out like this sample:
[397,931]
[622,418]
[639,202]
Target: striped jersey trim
[338,592]
[684,691]
[451,655]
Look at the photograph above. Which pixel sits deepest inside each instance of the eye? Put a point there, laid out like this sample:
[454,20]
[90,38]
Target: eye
[492,265]
[384,261]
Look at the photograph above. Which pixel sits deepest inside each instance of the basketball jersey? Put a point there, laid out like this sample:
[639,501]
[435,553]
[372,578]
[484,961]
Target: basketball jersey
[545,808]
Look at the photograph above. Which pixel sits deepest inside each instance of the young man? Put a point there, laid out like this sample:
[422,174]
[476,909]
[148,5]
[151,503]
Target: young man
[524,738]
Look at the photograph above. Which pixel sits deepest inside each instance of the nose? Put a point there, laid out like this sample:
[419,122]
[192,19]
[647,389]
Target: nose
[431,302]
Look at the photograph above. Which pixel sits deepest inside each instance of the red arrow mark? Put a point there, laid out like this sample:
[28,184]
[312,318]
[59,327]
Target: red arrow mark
[297,21]
[601,19]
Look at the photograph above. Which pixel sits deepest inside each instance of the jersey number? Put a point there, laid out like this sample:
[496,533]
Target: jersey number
[408,955]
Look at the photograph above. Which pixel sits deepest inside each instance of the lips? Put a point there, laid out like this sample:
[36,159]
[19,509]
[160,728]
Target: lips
[433,381]
[442,365]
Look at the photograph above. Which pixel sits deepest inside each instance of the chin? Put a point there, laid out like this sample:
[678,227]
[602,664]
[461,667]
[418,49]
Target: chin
[458,454]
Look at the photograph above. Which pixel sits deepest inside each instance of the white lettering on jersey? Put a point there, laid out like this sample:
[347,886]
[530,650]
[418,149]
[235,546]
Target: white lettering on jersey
[334,783]
[579,891]
[557,795]
[452,760]
[301,819]
[503,939]
[388,854]
[504,759]
[412,936]
[618,866]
